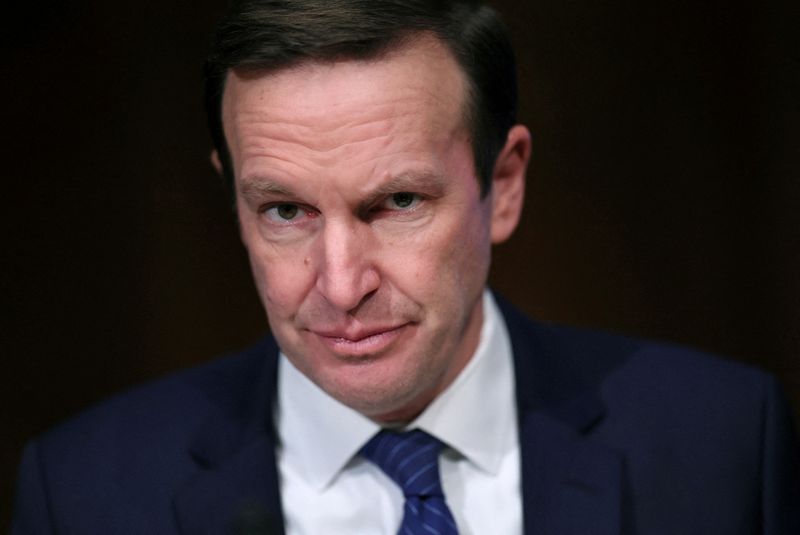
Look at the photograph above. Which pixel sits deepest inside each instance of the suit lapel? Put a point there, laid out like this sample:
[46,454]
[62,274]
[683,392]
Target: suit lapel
[571,483]
[239,497]
[236,490]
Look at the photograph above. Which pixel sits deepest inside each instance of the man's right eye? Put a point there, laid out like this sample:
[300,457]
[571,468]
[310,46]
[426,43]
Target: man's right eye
[283,213]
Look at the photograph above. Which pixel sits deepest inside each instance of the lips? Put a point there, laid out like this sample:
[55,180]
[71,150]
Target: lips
[359,341]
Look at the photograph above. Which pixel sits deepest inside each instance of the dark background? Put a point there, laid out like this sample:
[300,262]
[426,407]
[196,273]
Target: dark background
[663,196]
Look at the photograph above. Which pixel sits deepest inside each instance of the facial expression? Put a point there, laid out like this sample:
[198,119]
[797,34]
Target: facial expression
[361,213]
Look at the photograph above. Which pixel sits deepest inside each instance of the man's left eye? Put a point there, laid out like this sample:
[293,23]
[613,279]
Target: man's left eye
[401,201]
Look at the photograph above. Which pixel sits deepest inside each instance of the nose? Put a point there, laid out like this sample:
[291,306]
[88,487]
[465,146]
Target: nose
[346,273]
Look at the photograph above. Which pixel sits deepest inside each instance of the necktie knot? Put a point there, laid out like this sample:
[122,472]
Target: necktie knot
[411,460]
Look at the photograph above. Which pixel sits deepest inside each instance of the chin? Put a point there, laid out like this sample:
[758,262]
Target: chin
[378,396]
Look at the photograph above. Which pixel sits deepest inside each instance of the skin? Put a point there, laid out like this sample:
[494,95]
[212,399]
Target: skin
[361,213]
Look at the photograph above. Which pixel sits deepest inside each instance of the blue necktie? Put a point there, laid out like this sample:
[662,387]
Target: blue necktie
[411,460]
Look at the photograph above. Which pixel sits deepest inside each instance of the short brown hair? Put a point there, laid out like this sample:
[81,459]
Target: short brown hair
[273,34]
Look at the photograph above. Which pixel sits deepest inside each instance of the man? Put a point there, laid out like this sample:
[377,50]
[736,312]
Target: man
[374,157]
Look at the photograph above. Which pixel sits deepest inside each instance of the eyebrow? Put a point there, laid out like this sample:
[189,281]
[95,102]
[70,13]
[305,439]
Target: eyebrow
[430,183]
[254,188]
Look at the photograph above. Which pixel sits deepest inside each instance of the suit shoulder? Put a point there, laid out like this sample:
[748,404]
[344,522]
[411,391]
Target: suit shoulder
[126,458]
[162,414]
[581,358]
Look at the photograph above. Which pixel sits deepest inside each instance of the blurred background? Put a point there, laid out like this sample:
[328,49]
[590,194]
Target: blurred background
[663,197]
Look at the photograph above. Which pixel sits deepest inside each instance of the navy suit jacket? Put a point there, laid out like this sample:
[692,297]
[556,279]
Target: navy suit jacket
[617,436]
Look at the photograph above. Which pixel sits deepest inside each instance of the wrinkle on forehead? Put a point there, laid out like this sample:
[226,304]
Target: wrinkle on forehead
[331,97]
[307,132]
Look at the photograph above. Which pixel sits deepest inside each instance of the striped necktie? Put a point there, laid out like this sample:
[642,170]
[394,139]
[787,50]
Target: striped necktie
[411,460]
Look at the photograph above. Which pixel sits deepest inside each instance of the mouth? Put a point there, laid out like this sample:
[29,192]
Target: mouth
[360,342]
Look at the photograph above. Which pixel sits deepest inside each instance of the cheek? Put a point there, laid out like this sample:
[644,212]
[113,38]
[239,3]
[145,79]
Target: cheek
[475,247]
[282,280]
[451,256]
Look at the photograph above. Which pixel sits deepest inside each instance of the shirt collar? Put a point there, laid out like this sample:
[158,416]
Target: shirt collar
[475,415]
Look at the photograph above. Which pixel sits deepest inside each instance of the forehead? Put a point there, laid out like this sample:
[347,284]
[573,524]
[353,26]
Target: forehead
[421,74]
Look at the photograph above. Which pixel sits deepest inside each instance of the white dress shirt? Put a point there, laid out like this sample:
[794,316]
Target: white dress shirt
[327,488]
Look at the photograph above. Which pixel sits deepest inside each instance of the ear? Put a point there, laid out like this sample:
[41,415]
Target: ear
[215,161]
[508,183]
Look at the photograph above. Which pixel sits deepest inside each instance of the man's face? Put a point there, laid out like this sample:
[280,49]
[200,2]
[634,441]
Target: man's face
[361,213]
